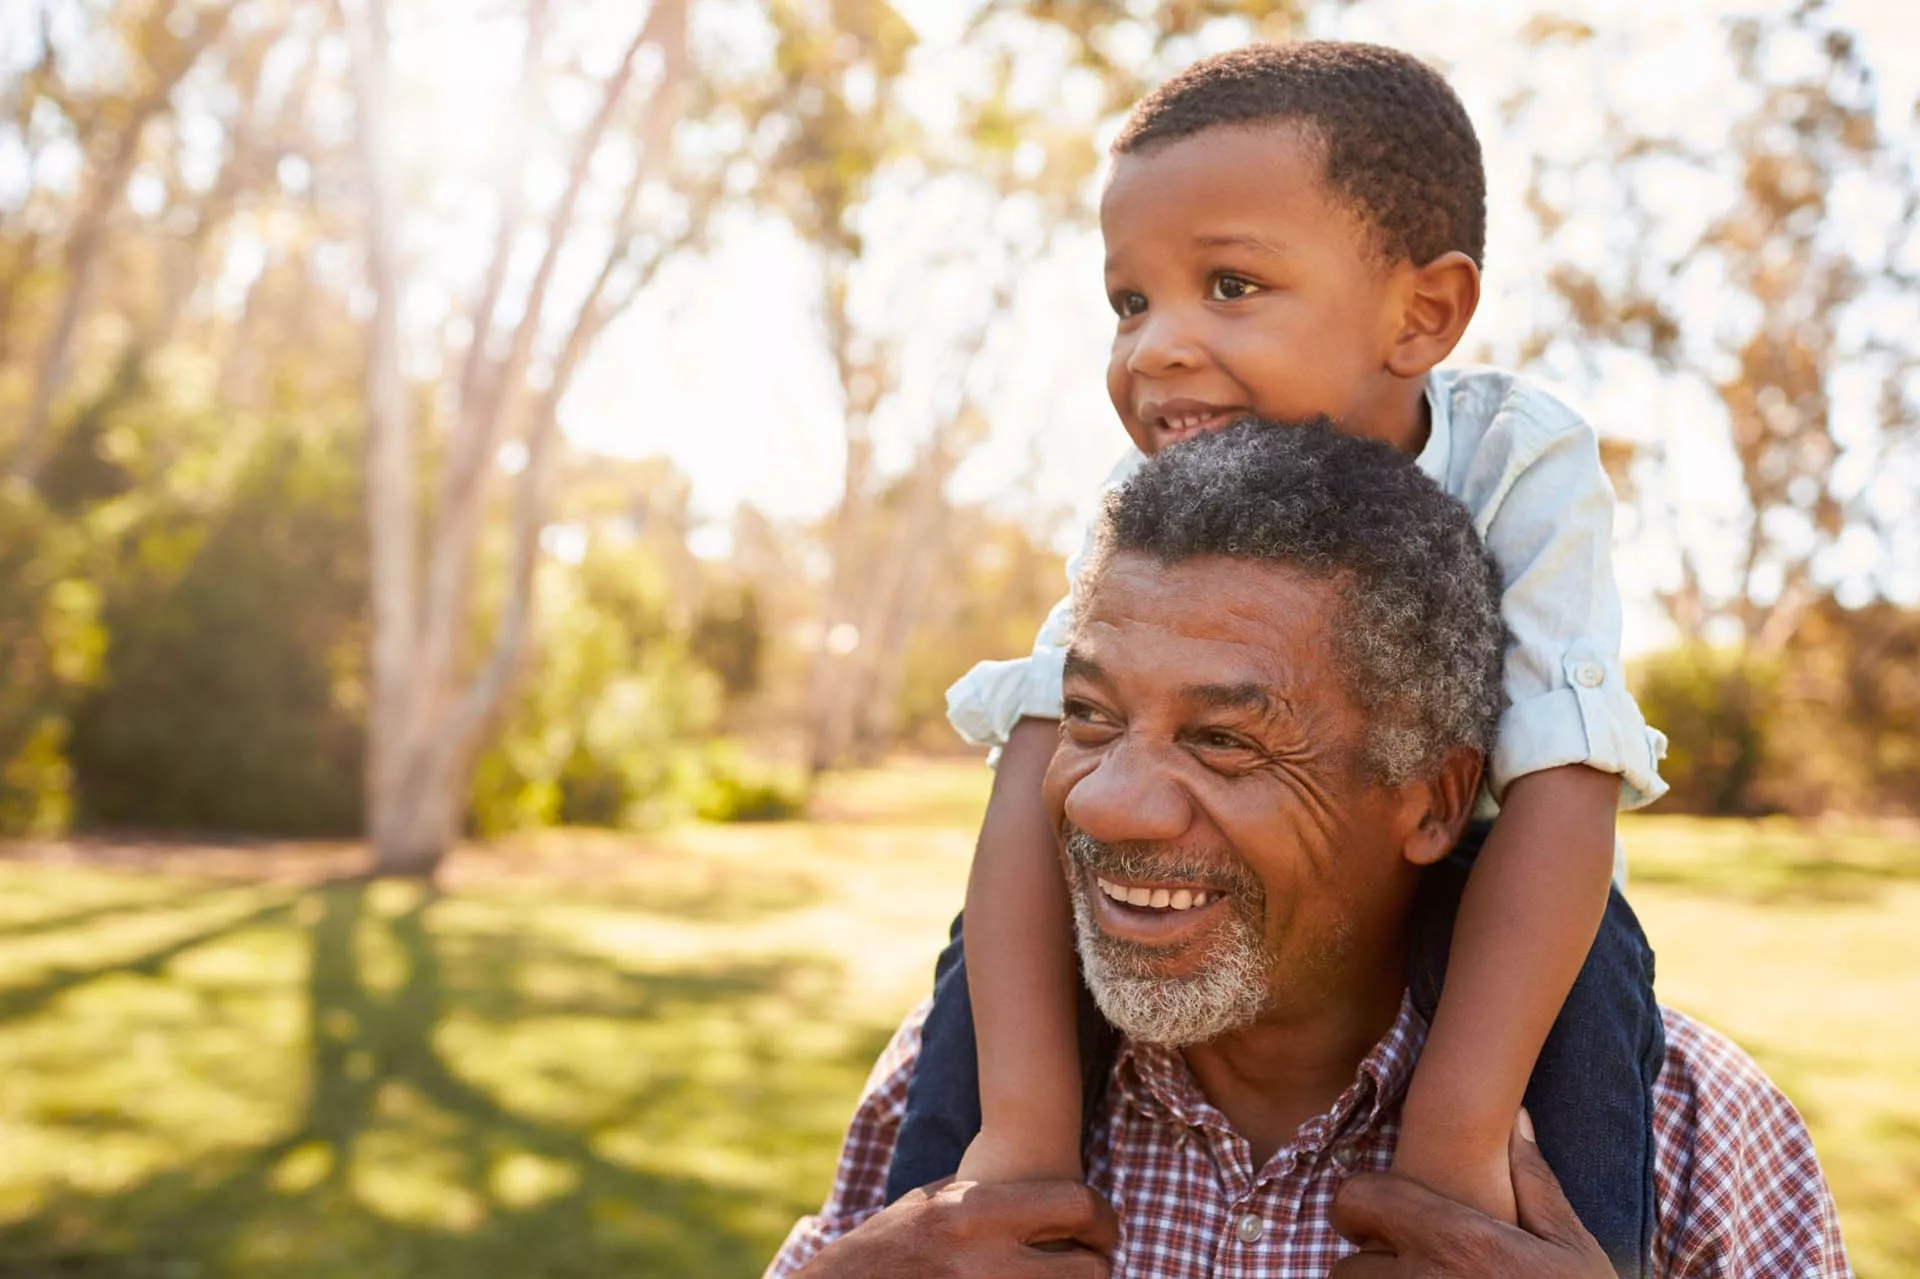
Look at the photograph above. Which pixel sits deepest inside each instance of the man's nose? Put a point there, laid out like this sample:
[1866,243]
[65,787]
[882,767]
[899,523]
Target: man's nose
[1166,342]
[1130,795]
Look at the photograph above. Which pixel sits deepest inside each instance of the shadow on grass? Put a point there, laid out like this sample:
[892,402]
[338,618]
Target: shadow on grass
[21,1001]
[511,1191]
[117,909]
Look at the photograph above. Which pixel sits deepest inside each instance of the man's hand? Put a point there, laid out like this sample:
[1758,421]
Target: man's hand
[962,1230]
[1406,1231]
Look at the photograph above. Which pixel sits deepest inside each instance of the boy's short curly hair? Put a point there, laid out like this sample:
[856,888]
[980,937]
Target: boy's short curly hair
[1399,146]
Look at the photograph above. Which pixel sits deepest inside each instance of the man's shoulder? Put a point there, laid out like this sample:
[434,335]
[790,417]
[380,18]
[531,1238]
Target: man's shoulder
[1714,1076]
[1739,1186]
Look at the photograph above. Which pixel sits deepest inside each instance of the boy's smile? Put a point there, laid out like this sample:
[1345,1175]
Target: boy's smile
[1243,288]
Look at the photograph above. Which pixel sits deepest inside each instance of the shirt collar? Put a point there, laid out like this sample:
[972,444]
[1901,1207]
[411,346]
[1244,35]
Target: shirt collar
[1156,1081]
[1437,456]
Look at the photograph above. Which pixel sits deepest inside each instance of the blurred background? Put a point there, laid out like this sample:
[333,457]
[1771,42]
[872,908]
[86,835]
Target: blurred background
[495,490]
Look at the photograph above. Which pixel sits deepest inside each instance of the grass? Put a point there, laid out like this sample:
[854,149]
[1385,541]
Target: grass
[596,1055]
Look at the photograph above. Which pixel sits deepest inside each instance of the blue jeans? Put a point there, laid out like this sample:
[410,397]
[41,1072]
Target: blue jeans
[1590,1096]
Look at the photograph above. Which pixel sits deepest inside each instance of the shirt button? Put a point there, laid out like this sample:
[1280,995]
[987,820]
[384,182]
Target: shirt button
[1589,675]
[1345,1154]
[1250,1228]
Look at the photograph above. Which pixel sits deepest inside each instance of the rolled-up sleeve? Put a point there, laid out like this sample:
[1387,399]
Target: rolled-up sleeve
[1549,524]
[984,704]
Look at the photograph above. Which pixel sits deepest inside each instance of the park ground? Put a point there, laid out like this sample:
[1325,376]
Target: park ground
[594,1055]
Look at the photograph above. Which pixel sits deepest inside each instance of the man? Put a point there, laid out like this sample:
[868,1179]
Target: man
[1279,699]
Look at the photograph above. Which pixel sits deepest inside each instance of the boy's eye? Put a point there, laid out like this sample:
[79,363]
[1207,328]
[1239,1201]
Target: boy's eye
[1128,305]
[1231,288]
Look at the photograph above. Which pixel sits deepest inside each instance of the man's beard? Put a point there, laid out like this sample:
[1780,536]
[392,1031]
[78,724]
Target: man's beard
[1227,991]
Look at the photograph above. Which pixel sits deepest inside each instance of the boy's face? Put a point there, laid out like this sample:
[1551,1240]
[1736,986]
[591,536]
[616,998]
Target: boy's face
[1242,287]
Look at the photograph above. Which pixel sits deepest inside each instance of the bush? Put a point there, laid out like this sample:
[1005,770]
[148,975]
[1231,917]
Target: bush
[227,700]
[606,728]
[1719,708]
[729,790]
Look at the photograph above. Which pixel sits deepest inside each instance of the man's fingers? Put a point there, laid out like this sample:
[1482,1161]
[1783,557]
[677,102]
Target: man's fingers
[1382,1207]
[1544,1210]
[1369,1265]
[1049,1211]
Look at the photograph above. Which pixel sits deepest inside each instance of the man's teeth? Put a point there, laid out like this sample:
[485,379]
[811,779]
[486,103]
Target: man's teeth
[1154,898]
[1191,421]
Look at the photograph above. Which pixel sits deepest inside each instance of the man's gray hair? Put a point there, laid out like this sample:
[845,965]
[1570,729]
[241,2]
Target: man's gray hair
[1421,642]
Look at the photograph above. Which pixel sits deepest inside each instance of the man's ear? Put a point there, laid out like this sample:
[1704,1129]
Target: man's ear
[1439,808]
[1436,302]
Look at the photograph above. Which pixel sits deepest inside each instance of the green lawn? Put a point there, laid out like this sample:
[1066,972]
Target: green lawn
[597,1055]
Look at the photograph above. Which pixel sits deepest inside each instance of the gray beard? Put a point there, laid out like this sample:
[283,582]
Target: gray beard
[1229,990]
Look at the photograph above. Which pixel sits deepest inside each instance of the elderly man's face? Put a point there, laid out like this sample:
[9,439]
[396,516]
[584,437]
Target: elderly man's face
[1227,850]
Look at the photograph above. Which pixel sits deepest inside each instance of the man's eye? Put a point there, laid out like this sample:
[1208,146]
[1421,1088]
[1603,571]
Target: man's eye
[1219,741]
[1128,305]
[1231,288]
[1076,713]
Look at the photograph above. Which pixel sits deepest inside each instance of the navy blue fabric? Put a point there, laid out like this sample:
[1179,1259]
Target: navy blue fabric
[1590,1097]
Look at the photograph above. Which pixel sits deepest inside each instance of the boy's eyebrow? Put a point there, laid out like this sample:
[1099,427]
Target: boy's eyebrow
[1244,240]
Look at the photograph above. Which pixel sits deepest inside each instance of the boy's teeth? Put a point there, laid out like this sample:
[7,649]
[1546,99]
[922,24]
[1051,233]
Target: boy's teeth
[1154,898]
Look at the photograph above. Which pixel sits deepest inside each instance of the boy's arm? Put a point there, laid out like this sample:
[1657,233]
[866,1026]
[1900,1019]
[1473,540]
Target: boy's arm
[1571,749]
[1527,918]
[1021,976]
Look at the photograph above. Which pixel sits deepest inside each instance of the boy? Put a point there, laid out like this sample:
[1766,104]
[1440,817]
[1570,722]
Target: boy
[1296,231]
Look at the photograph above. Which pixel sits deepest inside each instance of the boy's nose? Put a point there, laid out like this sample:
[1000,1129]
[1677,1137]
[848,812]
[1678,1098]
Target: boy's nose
[1129,796]
[1163,343]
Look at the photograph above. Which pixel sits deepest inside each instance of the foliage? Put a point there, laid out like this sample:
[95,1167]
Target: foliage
[230,698]
[50,646]
[612,719]
[1829,723]
[1718,708]
[1762,258]
[727,788]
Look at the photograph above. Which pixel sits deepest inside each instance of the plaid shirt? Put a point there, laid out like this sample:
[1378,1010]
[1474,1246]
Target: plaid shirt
[1740,1192]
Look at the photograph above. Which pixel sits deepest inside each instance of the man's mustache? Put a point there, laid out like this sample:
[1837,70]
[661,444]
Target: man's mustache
[1138,859]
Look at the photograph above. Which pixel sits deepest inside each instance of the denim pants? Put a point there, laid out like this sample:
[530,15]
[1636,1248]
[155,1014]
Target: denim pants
[1590,1096]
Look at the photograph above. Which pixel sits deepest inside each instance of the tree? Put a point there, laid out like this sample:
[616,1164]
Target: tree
[1773,266]
[430,705]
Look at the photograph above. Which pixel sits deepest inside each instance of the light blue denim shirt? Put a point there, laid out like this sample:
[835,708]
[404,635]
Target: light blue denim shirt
[1528,467]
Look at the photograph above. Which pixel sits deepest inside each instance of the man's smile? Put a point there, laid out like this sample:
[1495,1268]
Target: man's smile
[1158,921]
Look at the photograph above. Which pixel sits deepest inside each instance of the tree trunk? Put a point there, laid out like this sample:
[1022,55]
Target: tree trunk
[428,715]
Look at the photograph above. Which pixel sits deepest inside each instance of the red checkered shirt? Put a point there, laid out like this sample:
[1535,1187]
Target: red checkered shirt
[1739,1191]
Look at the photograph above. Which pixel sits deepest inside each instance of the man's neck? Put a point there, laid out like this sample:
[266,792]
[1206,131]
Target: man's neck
[1271,1078]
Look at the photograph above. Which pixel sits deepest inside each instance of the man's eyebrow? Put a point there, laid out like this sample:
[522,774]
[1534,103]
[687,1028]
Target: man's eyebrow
[1085,667]
[1245,240]
[1232,697]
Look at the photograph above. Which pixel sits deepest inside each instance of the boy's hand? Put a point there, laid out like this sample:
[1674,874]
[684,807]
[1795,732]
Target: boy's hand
[995,1157]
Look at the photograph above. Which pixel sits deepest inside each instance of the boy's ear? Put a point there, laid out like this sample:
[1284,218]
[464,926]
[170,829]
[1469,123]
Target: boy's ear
[1438,300]
[1438,809]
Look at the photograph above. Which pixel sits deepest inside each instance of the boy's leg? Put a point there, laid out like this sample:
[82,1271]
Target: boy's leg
[943,1096]
[1591,1092]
